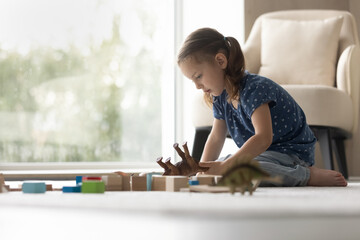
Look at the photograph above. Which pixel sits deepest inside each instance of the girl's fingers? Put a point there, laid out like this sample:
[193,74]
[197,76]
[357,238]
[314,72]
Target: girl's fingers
[214,167]
[206,164]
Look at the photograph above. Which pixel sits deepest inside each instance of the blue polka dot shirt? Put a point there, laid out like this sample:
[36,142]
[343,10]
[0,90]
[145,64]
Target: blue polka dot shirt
[291,133]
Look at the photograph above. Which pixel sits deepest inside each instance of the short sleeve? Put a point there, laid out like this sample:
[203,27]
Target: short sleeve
[218,109]
[256,94]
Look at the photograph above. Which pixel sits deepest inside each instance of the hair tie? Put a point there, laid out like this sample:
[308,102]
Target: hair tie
[225,39]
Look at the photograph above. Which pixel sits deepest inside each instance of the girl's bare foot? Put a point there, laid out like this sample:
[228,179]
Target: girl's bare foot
[326,178]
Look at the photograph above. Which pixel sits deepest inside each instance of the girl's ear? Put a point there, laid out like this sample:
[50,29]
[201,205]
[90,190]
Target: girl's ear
[221,60]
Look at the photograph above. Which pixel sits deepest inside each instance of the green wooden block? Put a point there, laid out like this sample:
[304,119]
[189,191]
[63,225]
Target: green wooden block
[93,187]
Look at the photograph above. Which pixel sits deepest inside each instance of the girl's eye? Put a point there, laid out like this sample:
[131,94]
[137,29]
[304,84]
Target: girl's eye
[198,77]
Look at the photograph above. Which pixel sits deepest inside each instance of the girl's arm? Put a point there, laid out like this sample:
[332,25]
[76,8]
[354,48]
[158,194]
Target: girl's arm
[215,141]
[254,146]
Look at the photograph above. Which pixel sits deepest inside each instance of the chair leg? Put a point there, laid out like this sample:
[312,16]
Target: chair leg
[324,137]
[201,135]
[339,150]
[331,141]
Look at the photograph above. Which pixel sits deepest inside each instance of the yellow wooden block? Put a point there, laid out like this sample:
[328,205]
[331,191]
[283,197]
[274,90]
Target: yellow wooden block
[174,183]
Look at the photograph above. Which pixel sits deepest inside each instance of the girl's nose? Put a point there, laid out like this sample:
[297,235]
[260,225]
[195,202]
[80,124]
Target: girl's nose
[198,86]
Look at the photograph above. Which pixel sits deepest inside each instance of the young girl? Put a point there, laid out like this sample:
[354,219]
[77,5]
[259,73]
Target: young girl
[262,118]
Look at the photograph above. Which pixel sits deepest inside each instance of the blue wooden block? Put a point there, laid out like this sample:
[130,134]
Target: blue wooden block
[78,180]
[72,189]
[149,180]
[193,182]
[34,187]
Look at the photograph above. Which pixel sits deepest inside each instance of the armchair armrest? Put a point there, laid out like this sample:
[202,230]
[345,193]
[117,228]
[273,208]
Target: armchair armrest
[348,78]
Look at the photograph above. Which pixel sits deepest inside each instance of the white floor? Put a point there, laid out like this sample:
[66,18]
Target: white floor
[271,213]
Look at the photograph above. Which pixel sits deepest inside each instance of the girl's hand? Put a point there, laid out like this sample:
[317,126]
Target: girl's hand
[215,168]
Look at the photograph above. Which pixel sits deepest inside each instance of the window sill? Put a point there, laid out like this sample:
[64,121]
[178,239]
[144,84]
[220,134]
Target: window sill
[68,171]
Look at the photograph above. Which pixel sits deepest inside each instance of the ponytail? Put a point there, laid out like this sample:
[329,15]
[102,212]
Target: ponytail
[235,68]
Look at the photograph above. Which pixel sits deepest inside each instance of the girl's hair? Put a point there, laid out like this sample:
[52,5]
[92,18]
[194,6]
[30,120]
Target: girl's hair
[203,44]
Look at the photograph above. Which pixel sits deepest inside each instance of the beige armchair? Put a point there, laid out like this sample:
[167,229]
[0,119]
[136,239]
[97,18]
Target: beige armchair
[315,56]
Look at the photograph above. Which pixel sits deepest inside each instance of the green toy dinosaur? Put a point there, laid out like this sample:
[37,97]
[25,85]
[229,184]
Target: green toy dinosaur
[245,175]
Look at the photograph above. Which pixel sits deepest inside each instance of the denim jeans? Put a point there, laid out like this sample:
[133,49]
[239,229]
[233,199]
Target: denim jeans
[292,170]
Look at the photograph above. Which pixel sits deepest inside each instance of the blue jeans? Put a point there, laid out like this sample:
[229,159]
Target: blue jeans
[292,170]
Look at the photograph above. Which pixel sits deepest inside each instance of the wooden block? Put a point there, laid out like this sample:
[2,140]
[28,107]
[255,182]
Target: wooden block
[126,183]
[174,183]
[78,179]
[209,189]
[193,182]
[125,180]
[149,180]
[3,188]
[217,179]
[72,189]
[138,183]
[2,179]
[158,183]
[34,187]
[206,180]
[91,178]
[16,189]
[58,188]
[49,187]
[216,189]
[113,182]
[93,187]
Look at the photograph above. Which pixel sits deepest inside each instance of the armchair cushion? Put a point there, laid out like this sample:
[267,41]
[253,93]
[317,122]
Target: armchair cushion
[315,40]
[336,106]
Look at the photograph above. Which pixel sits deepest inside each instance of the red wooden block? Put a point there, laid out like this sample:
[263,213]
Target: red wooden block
[90,178]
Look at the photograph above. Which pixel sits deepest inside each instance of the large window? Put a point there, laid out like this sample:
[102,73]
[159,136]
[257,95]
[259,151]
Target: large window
[94,80]
[85,81]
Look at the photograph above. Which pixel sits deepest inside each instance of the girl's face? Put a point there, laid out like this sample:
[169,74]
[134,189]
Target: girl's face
[207,76]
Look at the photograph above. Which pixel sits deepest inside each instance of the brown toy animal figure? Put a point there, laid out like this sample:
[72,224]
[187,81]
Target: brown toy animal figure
[187,167]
